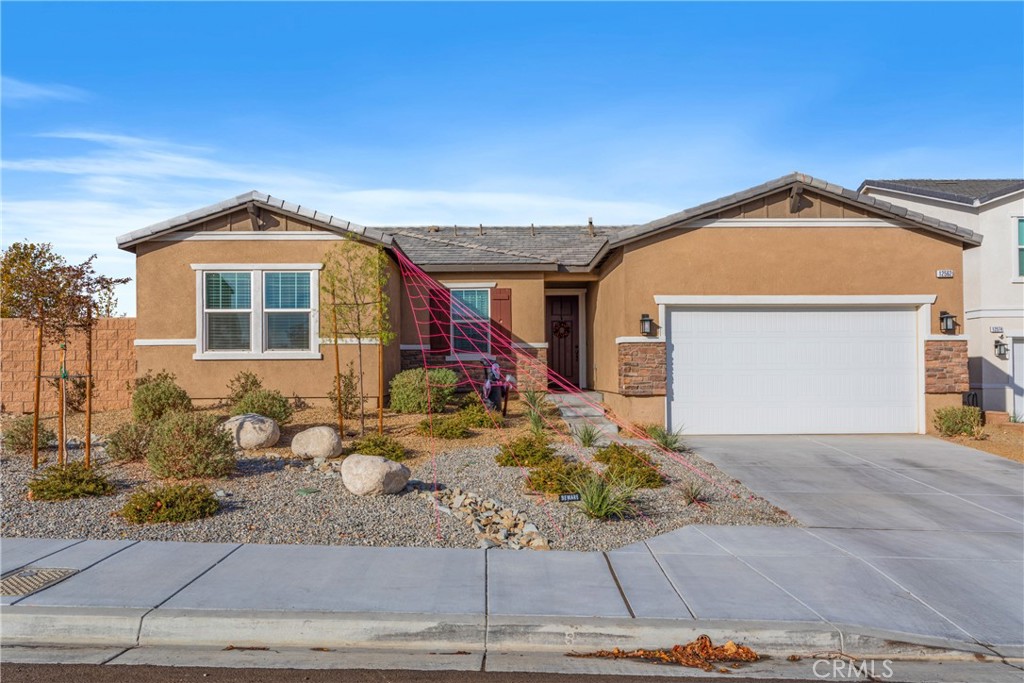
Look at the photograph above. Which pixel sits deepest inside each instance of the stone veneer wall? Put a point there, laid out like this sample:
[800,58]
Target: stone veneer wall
[642,369]
[113,365]
[945,366]
[529,366]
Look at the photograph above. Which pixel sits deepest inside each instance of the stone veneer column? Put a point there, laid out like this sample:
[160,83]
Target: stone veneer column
[642,368]
[945,366]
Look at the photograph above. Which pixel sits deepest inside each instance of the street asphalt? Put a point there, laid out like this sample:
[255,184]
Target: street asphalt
[911,547]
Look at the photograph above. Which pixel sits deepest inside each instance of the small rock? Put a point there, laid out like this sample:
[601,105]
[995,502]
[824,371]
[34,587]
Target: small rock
[530,528]
[319,462]
[317,443]
[486,544]
[220,493]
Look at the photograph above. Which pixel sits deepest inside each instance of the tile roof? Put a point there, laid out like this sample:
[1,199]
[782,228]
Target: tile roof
[127,240]
[872,203]
[965,191]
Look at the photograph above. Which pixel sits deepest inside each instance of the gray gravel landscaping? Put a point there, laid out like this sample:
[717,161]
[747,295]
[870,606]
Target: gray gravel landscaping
[278,500]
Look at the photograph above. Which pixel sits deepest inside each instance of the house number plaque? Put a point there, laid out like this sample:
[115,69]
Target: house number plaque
[943,273]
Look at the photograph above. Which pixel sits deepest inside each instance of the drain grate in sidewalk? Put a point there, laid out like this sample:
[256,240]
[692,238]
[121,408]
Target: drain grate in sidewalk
[28,581]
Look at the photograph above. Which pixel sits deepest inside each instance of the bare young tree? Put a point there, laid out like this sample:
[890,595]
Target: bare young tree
[354,281]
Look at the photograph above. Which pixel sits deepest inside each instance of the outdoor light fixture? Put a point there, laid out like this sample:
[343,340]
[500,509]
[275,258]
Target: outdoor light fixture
[1002,348]
[646,325]
[947,321]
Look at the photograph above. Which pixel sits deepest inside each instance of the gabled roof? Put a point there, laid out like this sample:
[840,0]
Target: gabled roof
[966,191]
[872,204]
[327,221]
[566,247]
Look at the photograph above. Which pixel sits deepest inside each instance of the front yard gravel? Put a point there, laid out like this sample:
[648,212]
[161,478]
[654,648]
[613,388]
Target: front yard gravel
[271,499]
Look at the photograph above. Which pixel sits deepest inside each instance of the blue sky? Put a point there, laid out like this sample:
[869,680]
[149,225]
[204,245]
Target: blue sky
[120,115]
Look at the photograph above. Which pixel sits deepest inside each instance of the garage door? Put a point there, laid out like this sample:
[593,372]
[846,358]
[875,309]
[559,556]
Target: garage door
[792,370]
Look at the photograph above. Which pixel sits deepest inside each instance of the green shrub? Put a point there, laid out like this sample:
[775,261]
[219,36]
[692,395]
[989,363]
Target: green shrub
[537,424]
[72,480]
[557,475]
[265,402]
[670,441]
[186,445]
[526,451]
[18,435]
[129,442]
[627,463]
[383,445]
[174,503]
[695,492]
[409,390]
[156,396]
[350,401]
[242,384]
[588,435]
[444,427]
[475,415]
[956,420]
[605,497]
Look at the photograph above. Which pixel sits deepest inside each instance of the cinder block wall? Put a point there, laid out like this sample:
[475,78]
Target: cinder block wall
[113,362]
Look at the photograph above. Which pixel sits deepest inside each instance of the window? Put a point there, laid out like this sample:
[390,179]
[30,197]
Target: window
[257,311]
[1020,247]
[471,321]
[228,311]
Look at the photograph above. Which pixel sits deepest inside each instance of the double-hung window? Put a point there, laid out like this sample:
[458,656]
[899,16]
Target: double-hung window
[1020,247]
[257,311]
[471,321]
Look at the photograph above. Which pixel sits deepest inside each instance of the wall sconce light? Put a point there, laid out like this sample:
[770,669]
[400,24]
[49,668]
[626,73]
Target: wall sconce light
[947,322]
[646,325]
[1002,349]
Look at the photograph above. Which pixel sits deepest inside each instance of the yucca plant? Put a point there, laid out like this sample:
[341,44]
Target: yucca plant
[588,435]
[603,497]
[695,492]
[537,424]
[670,441]
[534,399]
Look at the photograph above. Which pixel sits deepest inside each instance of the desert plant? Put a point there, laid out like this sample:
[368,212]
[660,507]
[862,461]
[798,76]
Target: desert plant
[557,475]
[957,420]
[526,451]
[18,435]
[380,444]
[588,435]
[156,396]
[350,401]
[605,497]
[670,441]
[174,503]
[242,384]
[444,427]
[73,480]
[129,442]
[409,390]
[476,415]
[537,424]
[535,400]
[643,429]
[626,462]
[187,445]
[266,402]
[1016,418]
[695,492]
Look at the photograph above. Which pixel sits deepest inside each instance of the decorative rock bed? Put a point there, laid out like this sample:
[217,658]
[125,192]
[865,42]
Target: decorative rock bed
[494,525]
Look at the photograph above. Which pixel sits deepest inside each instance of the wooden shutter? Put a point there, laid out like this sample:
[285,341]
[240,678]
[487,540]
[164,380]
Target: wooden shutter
[501,320]
[440,319]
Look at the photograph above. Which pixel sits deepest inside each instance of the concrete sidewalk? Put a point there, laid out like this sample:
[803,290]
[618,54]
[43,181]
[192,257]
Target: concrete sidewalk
[866,589]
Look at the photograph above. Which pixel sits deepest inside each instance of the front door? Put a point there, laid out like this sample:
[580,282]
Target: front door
[563,337]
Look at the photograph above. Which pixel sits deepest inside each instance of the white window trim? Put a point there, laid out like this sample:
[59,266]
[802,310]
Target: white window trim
[456,354]
[314,337]
[1018,277]
[257,312]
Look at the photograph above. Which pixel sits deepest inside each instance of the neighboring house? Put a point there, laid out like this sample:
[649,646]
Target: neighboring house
[993,275]
[796,306]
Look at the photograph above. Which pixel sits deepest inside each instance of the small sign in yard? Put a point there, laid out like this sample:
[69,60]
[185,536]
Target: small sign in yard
[568,497]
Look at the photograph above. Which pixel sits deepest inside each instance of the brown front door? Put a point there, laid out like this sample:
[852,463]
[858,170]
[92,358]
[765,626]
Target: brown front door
[563,337]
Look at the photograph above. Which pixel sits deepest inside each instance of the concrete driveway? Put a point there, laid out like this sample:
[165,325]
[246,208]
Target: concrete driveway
[942,522]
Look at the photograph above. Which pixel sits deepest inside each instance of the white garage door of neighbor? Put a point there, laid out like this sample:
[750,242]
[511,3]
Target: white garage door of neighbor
[792,370]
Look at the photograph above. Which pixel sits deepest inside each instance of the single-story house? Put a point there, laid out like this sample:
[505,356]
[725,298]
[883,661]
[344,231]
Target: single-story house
[796,306]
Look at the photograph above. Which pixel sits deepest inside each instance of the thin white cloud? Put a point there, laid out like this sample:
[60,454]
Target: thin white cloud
[14,91]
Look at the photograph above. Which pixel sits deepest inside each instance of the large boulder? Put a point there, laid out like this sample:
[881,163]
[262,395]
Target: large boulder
[372,475]
[251,431]
[317,442]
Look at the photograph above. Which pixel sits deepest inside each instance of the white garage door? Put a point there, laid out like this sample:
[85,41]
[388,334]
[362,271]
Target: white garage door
[792,370]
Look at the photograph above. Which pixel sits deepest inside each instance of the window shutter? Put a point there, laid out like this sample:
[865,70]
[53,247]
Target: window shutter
[501,320]
[440,317]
